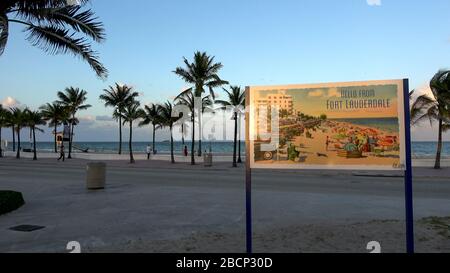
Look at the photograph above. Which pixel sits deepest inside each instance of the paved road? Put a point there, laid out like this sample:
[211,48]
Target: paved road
[155,200]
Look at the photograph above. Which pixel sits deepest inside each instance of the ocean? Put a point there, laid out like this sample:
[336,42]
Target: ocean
[385,124]
[420,149]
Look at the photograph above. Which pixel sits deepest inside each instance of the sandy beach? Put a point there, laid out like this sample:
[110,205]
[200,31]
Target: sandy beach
[154,206]
[433,236]
[325,144]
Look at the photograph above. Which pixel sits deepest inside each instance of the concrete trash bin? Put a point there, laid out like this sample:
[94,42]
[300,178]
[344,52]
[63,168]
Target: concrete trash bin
[95,176]
[207,159]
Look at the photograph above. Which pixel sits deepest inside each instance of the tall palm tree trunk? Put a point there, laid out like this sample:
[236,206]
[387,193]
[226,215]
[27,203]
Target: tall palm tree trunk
[14,138]
[1,151]
[437,165]
[171,146]
[239,151]
[153,140]
[200,135]
[18,143]
[70,140]
[34,144]
[120,135]
[130,143]
[235,139]
[239,139]
[31,136]
[193,141]
[182,134]
[56,138]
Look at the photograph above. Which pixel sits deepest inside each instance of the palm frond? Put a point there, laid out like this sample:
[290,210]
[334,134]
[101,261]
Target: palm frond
[184,93]
[56,40]
[4,32]
[69,15]
[431,114]
[42,4]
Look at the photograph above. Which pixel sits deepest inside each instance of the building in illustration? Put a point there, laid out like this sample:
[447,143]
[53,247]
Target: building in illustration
[284,103]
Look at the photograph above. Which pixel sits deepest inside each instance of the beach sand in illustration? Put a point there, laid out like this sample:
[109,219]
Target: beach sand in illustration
[314,151]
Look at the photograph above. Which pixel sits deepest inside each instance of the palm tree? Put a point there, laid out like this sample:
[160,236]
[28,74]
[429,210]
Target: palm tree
[183,130]
[166,120]
[435,108]
[10,123]
[18,118]
[33,120]
[201,73]
[55,27]
[239,135]
[236,99]
[118,97]
[3,123]
[151,116]
[187,98]
[73,100]
[130,113]
[55,114]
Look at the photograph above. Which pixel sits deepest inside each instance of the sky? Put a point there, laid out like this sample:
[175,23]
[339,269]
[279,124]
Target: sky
[259,42]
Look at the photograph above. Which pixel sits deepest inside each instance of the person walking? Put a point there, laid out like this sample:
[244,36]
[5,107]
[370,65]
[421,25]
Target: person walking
[149,151]
[185,151]
[62,154]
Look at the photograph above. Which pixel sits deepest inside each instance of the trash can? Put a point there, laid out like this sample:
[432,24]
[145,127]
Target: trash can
[207,159]
[95,176]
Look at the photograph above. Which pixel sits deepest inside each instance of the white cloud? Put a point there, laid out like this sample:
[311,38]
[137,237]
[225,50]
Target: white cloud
[87,118]
[374,2]
[10,102]
[104,118]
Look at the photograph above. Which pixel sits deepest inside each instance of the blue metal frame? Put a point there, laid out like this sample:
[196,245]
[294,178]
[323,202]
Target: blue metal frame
[248,178]
[248,205]
[408,172]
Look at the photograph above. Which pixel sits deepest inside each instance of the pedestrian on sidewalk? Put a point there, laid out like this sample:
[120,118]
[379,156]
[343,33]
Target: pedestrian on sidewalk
[62,154]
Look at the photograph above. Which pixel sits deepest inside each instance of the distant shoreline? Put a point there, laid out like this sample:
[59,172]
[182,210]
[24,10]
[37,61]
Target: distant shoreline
[421,149]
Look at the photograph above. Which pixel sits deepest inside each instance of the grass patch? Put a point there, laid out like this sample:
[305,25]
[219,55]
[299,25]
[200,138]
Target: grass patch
[439,224]
[10,201]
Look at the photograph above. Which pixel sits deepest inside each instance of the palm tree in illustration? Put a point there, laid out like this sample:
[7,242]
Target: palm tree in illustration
[202,73]
[118,96]
[56,27]
[187,98]
[166,120]
[73,99]
[55,114]
[18,118]
[435,108]
[33,120]
[151,116]
[236,100]
[130,113]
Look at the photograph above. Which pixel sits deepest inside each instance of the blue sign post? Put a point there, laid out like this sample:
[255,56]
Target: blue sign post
[248,178]
[408,173]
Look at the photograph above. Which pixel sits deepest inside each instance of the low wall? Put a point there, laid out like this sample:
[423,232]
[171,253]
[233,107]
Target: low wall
[417,162]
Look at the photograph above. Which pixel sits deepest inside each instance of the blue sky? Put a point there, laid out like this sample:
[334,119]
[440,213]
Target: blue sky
[260,42]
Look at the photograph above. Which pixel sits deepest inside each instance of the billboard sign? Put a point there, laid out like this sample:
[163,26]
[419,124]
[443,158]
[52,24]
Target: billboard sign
[66,133]
[348,125]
